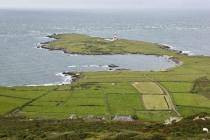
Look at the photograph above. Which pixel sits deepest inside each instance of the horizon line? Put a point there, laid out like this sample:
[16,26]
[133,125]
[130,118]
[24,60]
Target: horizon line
[98,9]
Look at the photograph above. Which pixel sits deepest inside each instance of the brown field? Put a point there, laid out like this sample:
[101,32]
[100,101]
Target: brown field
[155,102]
[148,88]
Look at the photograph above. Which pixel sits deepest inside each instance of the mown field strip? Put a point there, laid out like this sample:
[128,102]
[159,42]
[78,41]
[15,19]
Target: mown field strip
[155,102]
[153,97]
[148,88]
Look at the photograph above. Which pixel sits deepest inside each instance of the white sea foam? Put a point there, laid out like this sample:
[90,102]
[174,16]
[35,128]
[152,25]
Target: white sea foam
[59,28]
[73,54]
[67,79]
[170,46]
[186,28]
[45,37]
[183,52]
[94,66]
[38,46]
[105,66]
[59,74]
[86,66]
[48,84]
[72,66]
[151,27]
[188,53]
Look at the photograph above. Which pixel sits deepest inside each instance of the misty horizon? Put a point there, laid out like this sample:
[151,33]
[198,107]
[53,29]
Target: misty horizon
[104,4]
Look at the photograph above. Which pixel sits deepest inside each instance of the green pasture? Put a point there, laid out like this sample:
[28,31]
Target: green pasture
[178,87]
[113,93]
[189,99]
[83,44]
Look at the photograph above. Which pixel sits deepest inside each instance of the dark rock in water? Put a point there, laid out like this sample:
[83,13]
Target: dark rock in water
[75,76]
[179,52]
[68,73]
[64,51]
[45,43]
[164,47]
[113,66]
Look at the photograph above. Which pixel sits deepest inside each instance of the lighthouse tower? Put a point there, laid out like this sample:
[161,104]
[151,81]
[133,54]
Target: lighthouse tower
[114,37]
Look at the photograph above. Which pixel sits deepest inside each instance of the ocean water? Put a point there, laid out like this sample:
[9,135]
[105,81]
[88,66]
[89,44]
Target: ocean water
[21,63]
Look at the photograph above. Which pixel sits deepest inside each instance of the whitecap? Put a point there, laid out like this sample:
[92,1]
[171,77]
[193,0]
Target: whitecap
[151,27]
[59,28]
[73,54]
[72,66]
[59,74]
[105,66]
[94,66]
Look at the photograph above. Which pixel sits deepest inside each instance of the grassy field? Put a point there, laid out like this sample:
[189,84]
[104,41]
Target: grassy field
[178,87]
[86,99]
[114,93]
[83,44]
[189,99]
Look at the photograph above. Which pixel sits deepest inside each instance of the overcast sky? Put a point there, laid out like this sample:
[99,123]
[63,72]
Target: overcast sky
[114,4]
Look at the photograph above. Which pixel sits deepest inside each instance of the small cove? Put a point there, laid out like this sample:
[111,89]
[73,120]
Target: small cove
[51,73]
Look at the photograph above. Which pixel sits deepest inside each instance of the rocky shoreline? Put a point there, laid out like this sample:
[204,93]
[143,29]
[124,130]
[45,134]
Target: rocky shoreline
[75,76]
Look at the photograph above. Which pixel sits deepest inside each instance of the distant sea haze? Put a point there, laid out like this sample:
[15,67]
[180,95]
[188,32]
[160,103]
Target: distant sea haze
[21,63]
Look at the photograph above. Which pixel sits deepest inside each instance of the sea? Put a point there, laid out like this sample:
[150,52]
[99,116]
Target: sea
[21,31]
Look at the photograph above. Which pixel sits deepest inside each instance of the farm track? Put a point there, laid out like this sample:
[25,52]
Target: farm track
[170,102]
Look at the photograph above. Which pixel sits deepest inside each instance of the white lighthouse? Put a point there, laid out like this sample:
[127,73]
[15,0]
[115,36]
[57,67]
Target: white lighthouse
[114,37]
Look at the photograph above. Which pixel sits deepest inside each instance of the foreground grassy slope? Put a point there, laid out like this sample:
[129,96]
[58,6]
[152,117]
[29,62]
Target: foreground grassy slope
[19,128]
[112,93]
